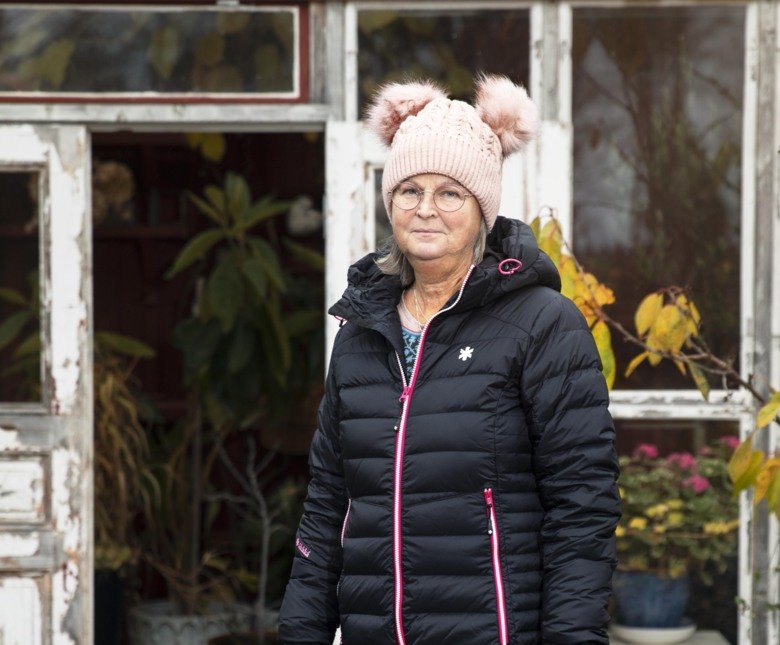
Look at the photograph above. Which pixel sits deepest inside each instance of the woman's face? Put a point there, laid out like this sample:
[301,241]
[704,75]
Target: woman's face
[427,233]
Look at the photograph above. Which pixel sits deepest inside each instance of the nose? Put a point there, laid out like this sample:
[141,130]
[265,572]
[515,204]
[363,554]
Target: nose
[426,207]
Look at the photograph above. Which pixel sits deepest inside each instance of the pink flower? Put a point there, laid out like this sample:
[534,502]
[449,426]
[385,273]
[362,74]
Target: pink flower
[698,483]
[684,460]
[705,450]
[646,451]
[731,440]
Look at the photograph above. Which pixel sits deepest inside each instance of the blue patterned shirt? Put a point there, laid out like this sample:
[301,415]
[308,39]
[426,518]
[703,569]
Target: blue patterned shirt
[411,343]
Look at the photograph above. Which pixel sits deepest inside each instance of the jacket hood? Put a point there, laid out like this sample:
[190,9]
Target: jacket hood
[371,296]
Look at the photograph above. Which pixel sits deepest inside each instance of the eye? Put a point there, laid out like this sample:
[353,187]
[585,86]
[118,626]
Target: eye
[410,191]
[451,193]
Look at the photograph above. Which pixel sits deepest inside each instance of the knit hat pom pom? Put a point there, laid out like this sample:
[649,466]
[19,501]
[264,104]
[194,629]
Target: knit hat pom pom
[508,111]
[395,102]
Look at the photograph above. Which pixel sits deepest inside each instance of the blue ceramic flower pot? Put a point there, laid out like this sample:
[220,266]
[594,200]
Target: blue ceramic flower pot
[647,600]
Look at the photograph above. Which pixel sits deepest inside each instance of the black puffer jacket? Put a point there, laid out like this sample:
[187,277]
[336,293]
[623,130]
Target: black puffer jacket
[481,507]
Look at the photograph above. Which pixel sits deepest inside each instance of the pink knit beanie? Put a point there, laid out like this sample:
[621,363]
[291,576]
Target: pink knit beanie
[429,133]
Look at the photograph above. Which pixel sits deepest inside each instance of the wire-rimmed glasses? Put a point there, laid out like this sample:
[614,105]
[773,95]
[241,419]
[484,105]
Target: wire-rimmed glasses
[447,198]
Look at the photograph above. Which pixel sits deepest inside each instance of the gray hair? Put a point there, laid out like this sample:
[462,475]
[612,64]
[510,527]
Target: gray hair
[392,261]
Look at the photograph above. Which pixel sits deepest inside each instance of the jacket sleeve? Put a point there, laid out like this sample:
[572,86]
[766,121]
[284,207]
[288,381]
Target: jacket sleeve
[309,612]
[576,470]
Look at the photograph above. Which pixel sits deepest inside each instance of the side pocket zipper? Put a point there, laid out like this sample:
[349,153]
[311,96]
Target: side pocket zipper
[344,523]
[498,580]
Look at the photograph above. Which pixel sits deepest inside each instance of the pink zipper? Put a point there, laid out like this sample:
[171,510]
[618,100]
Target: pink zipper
[344,523]
[498,580]
[405,399]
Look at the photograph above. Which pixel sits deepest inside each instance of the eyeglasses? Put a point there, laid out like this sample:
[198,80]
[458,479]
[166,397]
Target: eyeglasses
[447,198]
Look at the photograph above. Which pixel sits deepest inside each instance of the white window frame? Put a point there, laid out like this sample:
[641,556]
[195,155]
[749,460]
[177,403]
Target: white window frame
[172,97]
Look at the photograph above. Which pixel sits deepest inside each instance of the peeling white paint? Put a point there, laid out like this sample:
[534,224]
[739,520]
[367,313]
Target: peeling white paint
[19,545]
[20,611]
[22,484]
[67,208]
[9,439]
[45,483]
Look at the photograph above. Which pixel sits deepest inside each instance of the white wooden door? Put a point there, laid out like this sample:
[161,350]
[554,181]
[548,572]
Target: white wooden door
[355,217]
[46,446]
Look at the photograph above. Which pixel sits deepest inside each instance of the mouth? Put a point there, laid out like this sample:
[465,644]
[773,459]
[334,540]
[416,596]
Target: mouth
[425,230]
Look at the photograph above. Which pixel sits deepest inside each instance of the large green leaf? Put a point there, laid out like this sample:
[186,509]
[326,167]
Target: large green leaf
[209,210]
[14,297]
[303,321]
[198,341]
[254,271]
[238,197]
[265,253]
[308,256]
[262,210]
[242,347]
[11,326]
[29,346]
[123,344]
[194,249]
[225,292]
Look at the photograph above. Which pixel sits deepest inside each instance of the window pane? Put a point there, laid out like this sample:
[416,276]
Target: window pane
[657,110]
[709,606]
[448,47]
[20,372]
[72,50]
[382,229]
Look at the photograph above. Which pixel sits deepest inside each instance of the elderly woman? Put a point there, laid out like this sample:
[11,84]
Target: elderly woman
[463,469]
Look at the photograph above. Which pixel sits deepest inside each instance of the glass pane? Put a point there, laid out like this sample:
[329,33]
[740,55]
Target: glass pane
[657,110]
[711,606]
[20,372]
[382,228]
[449,47]
[73,50]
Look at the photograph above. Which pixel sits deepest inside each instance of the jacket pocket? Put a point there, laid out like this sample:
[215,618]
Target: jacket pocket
[498,577]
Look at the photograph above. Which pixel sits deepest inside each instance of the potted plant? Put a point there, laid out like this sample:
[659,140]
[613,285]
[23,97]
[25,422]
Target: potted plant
[678,514]
[250,316]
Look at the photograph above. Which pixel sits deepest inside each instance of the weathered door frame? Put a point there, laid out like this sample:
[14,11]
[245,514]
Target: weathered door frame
[46,447]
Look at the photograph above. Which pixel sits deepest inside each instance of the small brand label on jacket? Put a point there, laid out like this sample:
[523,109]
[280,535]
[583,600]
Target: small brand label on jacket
[305,551]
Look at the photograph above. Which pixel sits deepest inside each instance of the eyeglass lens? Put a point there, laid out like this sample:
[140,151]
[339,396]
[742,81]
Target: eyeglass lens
[407,197]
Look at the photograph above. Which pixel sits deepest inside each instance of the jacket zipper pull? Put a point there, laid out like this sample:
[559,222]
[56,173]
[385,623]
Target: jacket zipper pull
[405,394]
[489,509]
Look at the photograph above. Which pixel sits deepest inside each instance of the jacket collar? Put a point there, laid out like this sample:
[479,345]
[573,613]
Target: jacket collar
[371,297]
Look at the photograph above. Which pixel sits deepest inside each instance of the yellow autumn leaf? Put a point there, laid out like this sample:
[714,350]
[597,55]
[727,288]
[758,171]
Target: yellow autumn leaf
[669,329]
[647,311]
[691,314]
[764,477]
[213,146]
[603,339]
[536,226]
[700,380]
[773,493]
[635,362]
[163,50]
[744,465]
[680,366]
[569,276]
[551,240]
[654,343]
[51,64]
[602,293]
[767,413]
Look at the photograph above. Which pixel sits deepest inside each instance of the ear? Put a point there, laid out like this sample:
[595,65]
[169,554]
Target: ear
[395,102]
[508,111]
